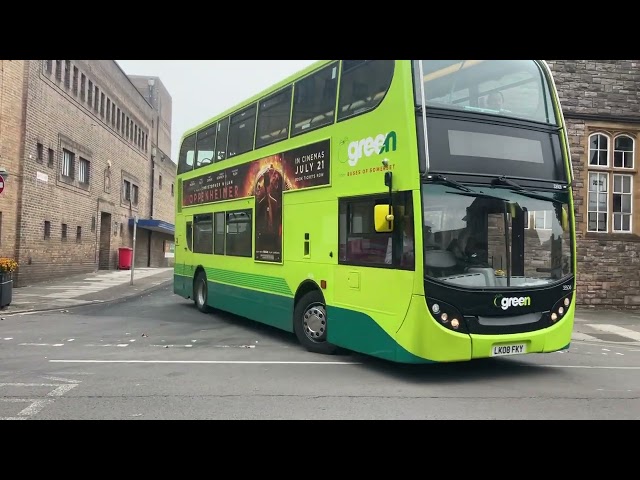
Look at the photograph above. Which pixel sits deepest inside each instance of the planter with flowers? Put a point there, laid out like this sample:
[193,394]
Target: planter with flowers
[7,267]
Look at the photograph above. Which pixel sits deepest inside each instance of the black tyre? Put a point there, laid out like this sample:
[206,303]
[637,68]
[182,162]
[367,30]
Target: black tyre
[310,324]
[201,292]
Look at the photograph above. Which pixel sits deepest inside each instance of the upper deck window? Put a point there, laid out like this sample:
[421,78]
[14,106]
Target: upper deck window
[509,88]
[241,132]
[187,154]
[314,100]
[205,144]
[273,118]
[363,85]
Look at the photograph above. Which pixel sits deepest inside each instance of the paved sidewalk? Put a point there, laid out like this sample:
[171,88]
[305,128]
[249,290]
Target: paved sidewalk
[98,287]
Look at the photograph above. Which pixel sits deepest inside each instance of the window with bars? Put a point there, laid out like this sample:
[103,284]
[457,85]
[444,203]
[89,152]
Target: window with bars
[611,162]
[67,166]
[83,170]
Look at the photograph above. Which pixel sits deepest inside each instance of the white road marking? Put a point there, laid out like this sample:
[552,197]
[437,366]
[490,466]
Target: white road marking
[632,335]
[34,408]
[59,379]
[165,346]
[61,390]
[9,338]
[206,362]
[29,384]
[37,405]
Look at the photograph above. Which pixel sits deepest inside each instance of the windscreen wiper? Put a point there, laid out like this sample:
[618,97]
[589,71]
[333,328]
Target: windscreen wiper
[451,183]
[502,180]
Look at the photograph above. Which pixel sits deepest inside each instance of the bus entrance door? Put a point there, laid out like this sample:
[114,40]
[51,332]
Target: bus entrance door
[185,262]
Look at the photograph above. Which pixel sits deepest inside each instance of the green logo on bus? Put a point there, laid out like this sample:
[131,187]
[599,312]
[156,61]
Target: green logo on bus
[368,146]
[505,302]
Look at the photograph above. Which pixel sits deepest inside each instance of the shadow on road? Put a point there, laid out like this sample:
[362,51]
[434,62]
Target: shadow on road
[485,369]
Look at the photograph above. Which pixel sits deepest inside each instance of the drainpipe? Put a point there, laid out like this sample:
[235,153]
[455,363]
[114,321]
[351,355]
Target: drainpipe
[153,179]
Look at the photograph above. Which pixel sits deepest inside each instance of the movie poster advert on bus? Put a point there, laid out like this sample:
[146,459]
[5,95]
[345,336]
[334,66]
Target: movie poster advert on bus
[307,166]
[266,179]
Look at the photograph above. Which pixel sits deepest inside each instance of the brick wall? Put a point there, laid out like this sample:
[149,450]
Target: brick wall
[602,96]
[157,95]
[11,124]
[164,196]
[60,118]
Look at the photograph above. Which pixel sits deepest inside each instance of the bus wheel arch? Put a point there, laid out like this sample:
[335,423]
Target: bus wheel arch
[310,320]
[201,290]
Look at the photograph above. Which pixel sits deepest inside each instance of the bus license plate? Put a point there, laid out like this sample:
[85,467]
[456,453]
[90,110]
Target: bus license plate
[513,349]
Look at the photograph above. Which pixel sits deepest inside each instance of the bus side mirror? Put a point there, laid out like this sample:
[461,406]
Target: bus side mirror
[565,219]
[383,218]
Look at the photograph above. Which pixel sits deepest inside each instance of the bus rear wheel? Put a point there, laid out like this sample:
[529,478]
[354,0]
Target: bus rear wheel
[201,292]
[310,324]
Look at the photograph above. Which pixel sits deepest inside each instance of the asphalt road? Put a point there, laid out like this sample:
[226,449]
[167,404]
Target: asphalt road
[157,357]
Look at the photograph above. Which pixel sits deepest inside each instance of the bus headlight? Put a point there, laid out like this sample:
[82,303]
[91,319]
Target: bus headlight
[560,309]
[447,315]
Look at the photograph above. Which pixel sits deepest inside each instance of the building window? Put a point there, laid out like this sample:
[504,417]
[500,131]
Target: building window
[47,229]
[159,182]
[59,70]
[39,153]
[75,80]
[130,192]
[83,86]
[51,155]
[67,74]
[90,93]
[64,231]
[622,196]
[67,163]
[83,170]
[611,159]
[172,189]
[78,234]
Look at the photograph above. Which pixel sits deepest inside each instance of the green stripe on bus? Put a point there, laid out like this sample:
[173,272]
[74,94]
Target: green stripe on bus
[241,279]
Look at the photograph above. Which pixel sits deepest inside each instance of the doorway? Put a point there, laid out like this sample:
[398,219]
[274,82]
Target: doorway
[104,255]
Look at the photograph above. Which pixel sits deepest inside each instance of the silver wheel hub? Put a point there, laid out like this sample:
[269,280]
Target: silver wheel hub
[315,323]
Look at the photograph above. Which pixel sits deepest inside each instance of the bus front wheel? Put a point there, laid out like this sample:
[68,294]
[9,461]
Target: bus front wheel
[310,324]
[201,292]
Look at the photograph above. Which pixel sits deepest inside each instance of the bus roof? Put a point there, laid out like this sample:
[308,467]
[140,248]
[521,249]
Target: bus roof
[273,88]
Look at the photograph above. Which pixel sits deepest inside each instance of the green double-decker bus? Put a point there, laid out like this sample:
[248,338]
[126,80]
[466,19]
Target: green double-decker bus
[413,210]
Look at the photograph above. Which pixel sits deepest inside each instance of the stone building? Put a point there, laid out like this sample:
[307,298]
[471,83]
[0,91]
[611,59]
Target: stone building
[601,104]
[78,147]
